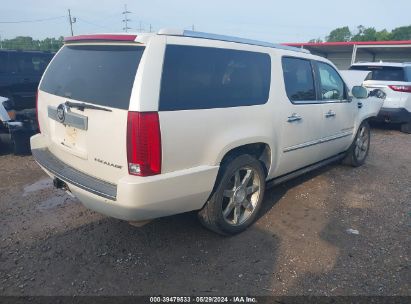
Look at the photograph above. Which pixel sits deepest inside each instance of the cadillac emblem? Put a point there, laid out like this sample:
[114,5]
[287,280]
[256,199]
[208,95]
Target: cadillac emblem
[61,112]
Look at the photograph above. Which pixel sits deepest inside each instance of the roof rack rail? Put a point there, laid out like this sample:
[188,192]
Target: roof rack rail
[202,35]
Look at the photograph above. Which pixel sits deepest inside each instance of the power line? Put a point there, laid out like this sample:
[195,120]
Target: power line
[94,24]
[30,21]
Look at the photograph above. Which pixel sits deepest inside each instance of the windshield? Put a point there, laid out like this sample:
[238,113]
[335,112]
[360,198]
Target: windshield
[382,72]
[98,74]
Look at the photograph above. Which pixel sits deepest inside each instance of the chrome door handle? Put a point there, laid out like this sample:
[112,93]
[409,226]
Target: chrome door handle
[330,114]
[294,117]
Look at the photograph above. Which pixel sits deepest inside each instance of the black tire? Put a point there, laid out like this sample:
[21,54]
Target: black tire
[227,195]
[21,144]
[353,157]
[406,128]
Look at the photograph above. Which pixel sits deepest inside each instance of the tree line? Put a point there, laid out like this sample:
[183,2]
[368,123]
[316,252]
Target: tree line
[363,33]
[28,43]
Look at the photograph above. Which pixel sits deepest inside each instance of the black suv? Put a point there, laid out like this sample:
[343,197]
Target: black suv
[20,74]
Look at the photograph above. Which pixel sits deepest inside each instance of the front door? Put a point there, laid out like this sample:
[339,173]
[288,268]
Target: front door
[338,110]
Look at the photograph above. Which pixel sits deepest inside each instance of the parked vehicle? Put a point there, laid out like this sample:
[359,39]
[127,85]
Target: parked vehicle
[20,74]
[149,125]
[395,80]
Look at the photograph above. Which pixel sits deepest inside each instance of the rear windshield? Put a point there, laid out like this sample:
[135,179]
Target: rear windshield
[382,73]
[98,74]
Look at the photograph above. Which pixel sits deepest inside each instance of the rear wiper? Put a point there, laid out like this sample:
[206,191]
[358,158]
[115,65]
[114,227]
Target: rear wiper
[81,106]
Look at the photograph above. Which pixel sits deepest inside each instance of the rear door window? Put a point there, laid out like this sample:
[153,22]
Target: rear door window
[98,74]
[298,79]
[382,73]
[203,78]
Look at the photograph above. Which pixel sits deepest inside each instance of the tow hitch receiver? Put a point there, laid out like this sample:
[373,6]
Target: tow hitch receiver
[59,184]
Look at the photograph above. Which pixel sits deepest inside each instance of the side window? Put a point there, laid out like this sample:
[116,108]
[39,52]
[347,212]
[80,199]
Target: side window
[298,79]
[408,73]
[39,63]
[204,78]
[331,85]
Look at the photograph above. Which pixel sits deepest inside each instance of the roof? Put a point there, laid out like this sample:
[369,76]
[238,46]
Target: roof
[127,37]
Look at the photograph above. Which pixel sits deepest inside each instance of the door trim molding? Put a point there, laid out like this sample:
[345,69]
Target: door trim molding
[318,141]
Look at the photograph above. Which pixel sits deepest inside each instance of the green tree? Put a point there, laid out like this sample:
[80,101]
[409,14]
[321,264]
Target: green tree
[340,34]
[365,34]
[317,40]
[28,43]
[401,33]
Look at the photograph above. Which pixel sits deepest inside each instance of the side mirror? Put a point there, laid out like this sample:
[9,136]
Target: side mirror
[359,92]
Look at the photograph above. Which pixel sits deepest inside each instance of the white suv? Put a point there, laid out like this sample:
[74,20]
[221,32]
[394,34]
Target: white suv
[149,125]
[395,80]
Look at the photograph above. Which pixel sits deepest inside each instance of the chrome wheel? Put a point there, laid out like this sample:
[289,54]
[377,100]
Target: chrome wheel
[241,196]
[362,144]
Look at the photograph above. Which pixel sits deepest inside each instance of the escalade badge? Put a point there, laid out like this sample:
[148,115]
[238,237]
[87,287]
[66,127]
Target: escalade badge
[61,112]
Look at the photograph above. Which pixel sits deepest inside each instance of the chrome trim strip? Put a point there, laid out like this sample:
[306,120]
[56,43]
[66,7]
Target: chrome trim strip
[68,174]
[72,119]
[318,141]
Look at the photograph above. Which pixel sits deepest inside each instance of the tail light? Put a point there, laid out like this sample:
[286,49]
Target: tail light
[37,110]
[400,88]
[143,143]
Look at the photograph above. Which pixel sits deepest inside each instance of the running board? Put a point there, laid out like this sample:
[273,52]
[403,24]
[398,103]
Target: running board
[286,177]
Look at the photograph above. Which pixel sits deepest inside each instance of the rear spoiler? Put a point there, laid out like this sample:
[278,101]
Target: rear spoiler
[101,37]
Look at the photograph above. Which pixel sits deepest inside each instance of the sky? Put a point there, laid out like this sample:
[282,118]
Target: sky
[272,21]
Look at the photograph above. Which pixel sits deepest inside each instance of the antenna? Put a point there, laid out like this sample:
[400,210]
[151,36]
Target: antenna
[126,20]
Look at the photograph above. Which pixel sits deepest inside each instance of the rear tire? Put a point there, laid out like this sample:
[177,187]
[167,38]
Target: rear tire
[358,151]
[406,128]
[237,197]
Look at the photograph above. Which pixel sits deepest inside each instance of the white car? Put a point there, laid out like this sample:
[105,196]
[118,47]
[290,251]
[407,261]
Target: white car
[149,125]
[395,80]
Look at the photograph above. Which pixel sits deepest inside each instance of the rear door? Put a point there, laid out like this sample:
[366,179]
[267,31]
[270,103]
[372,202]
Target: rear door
[84,99]
[301,117]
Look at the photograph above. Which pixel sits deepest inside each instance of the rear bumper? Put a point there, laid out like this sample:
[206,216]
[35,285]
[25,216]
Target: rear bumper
[394,115]
[132,198]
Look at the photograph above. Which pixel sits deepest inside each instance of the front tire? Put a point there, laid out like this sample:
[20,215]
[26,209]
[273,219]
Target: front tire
[358,151]
[237,197]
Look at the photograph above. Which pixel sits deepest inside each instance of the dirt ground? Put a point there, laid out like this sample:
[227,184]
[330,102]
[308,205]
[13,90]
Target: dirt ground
[51,245]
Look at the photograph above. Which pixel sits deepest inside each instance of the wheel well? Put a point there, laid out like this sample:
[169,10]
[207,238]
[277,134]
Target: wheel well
[260,151]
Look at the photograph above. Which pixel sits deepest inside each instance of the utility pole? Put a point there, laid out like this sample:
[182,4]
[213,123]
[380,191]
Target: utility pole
[71,21]
[126,20]
[192,27]
[151,28]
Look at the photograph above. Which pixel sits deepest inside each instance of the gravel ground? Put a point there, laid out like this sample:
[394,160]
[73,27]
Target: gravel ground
[52,245]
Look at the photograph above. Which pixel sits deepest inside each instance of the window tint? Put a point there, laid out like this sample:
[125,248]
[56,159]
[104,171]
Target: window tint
[3,62]
[331,84]
[298,79]
[202,78]
[40,62]
[408,73]
[99,74]
[382,72]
